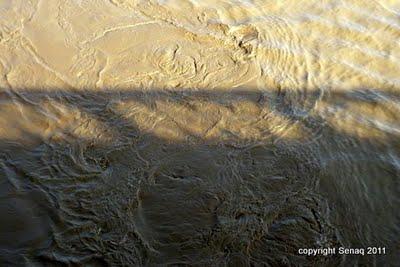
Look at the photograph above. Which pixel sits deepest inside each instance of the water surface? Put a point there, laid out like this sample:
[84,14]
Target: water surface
[205,133]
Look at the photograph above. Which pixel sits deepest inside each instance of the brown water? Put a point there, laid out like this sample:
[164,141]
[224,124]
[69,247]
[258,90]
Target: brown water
[205,133]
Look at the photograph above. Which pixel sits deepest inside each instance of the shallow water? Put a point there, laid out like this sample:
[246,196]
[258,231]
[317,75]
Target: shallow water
[205,133]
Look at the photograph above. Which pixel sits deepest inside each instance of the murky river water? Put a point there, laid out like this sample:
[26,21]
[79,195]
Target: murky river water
[205,133]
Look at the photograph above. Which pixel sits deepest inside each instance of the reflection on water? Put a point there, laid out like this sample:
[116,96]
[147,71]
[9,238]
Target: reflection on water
[221,133]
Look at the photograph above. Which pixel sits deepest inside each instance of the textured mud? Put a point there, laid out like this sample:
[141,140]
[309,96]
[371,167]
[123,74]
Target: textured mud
[202,133]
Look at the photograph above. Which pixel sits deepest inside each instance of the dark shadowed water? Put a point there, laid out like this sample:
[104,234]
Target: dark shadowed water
[140,199]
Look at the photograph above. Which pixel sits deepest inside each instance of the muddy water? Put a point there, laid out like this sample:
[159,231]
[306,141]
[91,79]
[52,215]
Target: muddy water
[205,133]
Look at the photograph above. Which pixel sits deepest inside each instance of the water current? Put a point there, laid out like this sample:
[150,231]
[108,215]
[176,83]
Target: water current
[199,133]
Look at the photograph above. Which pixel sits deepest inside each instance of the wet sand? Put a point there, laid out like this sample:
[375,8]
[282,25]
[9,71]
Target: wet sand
[200,133]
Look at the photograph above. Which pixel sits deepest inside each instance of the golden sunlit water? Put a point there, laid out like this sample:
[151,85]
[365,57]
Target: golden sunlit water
[199,132]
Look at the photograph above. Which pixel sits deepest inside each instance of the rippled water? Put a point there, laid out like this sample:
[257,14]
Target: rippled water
[205,133]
